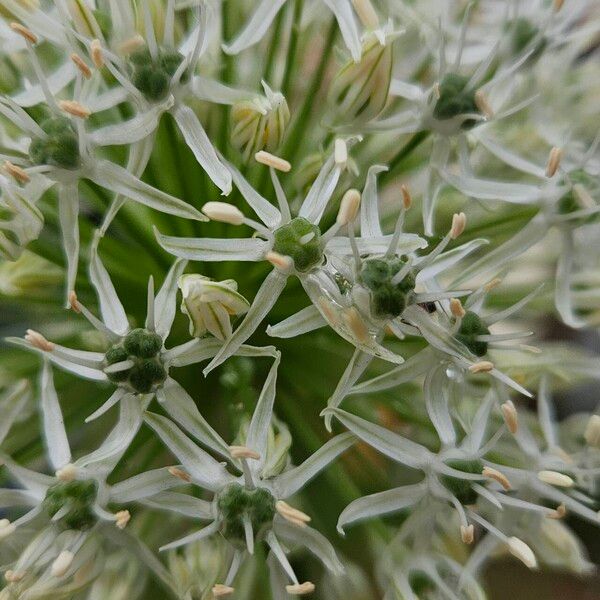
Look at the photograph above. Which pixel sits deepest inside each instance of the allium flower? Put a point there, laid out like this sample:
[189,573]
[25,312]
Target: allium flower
[250,507]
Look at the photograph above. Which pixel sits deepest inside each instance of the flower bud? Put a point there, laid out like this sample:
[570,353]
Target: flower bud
[259,124]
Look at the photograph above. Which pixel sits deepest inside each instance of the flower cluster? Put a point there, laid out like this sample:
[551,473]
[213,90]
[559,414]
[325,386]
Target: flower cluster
[394,216]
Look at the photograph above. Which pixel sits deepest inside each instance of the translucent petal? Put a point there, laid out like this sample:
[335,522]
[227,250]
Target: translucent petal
[320,193]
[13,402]
[57,81]
[408,242]
[193,537]
[342,9]
[165,302]
[488,189]
[435,391]
[68,206]
[182,504]
[143,485]
[211,90]
[369,206]
[306,320]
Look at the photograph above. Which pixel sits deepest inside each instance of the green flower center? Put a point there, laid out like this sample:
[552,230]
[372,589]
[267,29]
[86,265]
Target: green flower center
[301,241]
[142,347]
[462,488]
[61,146]
[471,327]
[236,502]
[74,500]
[387,299]
[455,100]
[153,77]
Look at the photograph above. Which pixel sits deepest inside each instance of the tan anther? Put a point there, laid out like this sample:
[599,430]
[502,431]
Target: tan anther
[557,5]
[340,152]
[243,452]
[96,54]
[180,474]
[496,475]
[81,65]
[553,161]
[17,172]
[556,479]
[74,108]
[406,197]
[490,285]
[483,366]
[24,32]
[37,340]
[510,415]
[459,222]
[13,576]
[220,590]
[519,549]
[467,534]
[278,163]
[131,45]
[73,302]
[483,104]
[592,432]
[348,207]
[280,260]
[559,513]
[356,325]
[67,473]
[300,589]
[295,516]
[122,518]
[456,308]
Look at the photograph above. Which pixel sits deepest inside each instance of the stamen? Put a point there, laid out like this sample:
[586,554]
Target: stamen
[243,452]
[17,172]
[180,474]
[483,366]
[583,196]
[592,431]
[553,161]
[73,302]
[467,534]
[132,44]
[356,325]
[74,108]
[37,340]
[366,13]
[97,54]
[555,478]
[219,590]
[492,284]
[24,32]
[62,563]
[519,549]
[122,518]
[483,104]
[81,65]
[557,5]
[456,308]
[266,158]
[497,476]
[300,589]
[510,415]
[67,473]
[291,514]
[223,213]
[340,152]
[14,576]
[6,528]
[459,222]
[559,513]
[348,207]
[406,197]
[282,262]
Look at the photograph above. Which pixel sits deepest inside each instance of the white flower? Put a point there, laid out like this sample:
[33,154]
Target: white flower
[248,507]
[293,245]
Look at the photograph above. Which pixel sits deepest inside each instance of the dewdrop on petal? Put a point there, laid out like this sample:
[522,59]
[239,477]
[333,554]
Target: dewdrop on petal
[519,549]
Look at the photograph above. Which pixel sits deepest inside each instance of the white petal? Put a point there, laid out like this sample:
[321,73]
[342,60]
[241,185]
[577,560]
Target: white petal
[435,391]
[143,485]
[510,158]
[193,537]
[305,320]
[320,193]
[165,302]
[205,470]
[198,142]
[68,205]
[369,206]
[12,404]
[214,249]
[406,90]
[289,482]
[180,406]
[210,90]
[118,180]
[488,189]
[59,451]
[115,397]
[407,243]
[256,27]
[447,260]
[563,296]
[182,504]
[344,14]
[57,81]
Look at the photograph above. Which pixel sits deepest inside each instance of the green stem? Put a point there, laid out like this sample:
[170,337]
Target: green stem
[290,61]
[415,141]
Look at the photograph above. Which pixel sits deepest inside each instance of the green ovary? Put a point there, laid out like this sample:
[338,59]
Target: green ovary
[387,299]
[462,488]
[142,347]
[301,241]
[61,146]
[235,501]
[471,327]
[76,500]
[153,76]
[455,100]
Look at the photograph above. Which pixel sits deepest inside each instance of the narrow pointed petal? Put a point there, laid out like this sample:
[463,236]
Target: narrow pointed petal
[13,401]
[165,302]
[289,482]
[193,537]
[106,406]
[198,142]
[68,205]
[342,9]
[143,485]
[182,504]
[435,390]
[306,320]
[369,207]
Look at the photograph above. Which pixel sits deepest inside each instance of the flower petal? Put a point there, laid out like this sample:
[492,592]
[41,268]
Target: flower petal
[305,320]
[143,485]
